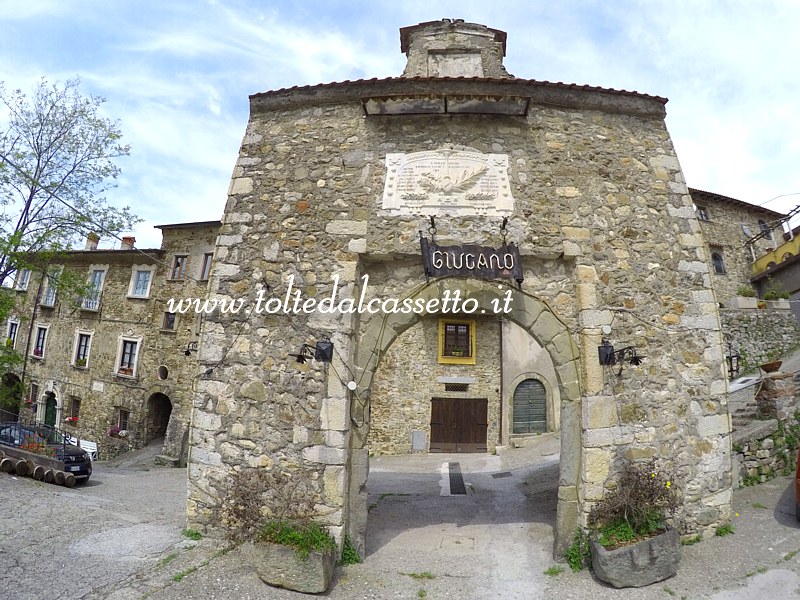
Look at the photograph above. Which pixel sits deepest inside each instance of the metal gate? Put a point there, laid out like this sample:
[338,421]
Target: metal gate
[458,424]
[530,412]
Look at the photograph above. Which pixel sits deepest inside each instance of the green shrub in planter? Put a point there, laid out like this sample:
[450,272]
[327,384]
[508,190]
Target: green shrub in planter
[270,513]
[747,292]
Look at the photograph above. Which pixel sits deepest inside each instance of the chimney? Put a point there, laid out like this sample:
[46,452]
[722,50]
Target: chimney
[127,243]
[453,48]
[91,241]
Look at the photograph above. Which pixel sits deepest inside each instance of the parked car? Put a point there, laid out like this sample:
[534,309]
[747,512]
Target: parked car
[48,441]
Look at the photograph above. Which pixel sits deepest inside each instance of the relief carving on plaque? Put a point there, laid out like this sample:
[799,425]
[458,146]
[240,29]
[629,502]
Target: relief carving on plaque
[446,181]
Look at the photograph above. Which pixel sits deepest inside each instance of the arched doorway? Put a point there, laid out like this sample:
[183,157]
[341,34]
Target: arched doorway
[530,407]
[159,409]
[50,409]
[529,313]
[10,397]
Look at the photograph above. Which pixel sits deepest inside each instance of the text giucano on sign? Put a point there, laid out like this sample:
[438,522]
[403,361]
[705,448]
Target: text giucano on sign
[471,260]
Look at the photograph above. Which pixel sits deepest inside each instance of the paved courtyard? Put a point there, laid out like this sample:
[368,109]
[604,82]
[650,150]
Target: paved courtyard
[120,537]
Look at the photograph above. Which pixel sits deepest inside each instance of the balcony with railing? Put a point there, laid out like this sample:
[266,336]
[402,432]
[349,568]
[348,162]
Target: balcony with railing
[48,298]
[91,302]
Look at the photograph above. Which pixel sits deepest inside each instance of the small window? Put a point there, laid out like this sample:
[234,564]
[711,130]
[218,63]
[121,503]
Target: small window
[123,417]
[205,271]
[41,340]
[719,264]
[168,322]
[456,387]
[457,342]
[75,407]
[82,345]
[140,283]
[11,335]
[128,353]
[786,256]
[33,397]
[23,278]
[702,213]
[178,271]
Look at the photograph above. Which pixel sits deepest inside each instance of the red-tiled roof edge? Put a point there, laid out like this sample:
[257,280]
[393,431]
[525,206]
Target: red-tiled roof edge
[721,198]
[499,80]
[188,225]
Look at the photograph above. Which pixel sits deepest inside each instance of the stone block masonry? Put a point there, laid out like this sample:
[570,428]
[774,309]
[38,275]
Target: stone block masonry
[607,237]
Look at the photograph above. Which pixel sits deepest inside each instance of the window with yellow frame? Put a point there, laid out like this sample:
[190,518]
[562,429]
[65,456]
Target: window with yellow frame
[456,342]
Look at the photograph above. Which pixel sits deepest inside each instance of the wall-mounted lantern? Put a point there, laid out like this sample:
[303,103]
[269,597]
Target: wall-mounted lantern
[608,356]
[323,351]
[732,359]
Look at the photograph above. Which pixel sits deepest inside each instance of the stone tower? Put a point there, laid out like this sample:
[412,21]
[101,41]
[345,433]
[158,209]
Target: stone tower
[563,205]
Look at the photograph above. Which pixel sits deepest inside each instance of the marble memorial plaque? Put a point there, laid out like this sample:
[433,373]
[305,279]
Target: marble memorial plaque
[446,181]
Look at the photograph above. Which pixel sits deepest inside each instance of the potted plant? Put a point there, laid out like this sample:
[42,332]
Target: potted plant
[745,298]
[80,362]
[71,421]
[632,545]
[271,514]
[777,298]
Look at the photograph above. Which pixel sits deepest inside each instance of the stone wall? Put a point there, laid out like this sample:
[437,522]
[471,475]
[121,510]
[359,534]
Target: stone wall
[767,446]
[409,376]
[760,335]
[608,237]
[726,231]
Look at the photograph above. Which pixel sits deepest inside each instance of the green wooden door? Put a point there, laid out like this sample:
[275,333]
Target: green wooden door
[530,413]
[50,410]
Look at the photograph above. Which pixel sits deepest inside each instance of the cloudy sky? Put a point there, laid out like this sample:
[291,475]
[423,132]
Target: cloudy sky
[177,75]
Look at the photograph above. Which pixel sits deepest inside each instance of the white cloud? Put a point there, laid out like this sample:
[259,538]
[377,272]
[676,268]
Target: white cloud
[178,75]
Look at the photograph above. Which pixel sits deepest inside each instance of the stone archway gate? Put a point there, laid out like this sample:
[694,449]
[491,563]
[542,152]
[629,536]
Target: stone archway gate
[530,313]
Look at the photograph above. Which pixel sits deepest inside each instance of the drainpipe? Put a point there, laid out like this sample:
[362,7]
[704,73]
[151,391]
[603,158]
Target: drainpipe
[502,368]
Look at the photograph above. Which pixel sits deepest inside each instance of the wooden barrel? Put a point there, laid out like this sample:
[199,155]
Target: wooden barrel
[21,468]
[49,476]
[69,480]
[38,472]
[6,465]
[59,477]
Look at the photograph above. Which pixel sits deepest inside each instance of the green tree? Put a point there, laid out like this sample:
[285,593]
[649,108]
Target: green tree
[56,161]
[57,156]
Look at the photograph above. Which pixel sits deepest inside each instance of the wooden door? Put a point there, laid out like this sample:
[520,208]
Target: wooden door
[530,414]
[459,424]
[50,410]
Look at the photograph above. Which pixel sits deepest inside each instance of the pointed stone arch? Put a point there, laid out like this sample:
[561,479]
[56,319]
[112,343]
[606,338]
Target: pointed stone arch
[530,313]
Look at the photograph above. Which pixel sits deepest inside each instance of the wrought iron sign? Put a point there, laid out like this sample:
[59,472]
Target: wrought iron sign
[470,260]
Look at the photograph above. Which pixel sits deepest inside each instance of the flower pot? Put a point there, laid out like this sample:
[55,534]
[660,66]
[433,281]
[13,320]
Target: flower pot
[639,564]
[771,367]
[281,566]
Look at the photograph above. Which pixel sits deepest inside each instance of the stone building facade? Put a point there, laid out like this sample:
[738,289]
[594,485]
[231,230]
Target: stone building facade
[116,358]
[728,225]
[333,189]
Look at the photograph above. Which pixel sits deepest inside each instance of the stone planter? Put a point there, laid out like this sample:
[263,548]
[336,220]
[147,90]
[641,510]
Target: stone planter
[640,564]
[281,566]
[779,304]
[743,302]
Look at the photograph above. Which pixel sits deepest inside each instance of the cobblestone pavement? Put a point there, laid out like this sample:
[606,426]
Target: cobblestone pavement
[120,538]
